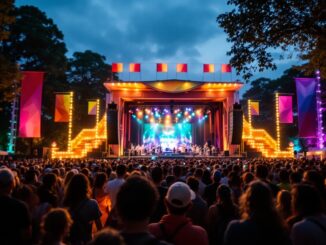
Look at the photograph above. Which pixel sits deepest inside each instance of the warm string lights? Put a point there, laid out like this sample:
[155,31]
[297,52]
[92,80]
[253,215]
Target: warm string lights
[320,109]
[249,118]
[70,120]
[97,120]
[278,132]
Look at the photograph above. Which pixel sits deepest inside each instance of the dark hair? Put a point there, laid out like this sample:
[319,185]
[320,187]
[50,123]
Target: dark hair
[284,176]
[78,189]
[284,203]
[224,195]
[193,183]
[49,180]
[107,236]
[306,200]
[100,179]
[157,174]
[121,170]
[295,177]
[261,171]
[136,199]
[199,172]
[55,224]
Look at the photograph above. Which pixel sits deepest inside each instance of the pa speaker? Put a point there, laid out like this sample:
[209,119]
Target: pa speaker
[112,124]
[235,125]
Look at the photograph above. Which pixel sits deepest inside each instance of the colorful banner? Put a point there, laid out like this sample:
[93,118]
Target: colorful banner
[117,67]
[62,104]
[182,68]
[134,67]
[307,107]
[161,67]
[30,104]
[210,68]
[254,108]
[285,108]
[226,68]
[92,107]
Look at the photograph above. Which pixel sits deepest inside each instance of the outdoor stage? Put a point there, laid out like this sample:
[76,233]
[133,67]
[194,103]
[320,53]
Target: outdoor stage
[178,116]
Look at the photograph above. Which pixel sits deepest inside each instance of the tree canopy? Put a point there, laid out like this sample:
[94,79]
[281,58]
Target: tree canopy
[262,30]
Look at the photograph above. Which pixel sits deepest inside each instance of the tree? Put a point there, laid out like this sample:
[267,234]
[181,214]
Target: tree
[87,71]
[258,28]
[8,70]
[36,43]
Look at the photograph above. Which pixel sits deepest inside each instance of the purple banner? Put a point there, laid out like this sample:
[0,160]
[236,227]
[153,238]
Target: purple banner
[30,104]
[285,108]
[307,107]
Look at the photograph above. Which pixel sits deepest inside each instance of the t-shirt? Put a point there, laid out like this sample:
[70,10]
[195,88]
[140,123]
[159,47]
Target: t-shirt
[144,238]
[83,216]
[14,219]
[112,187]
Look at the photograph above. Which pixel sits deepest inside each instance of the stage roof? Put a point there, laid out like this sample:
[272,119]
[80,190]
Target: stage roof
[173,86]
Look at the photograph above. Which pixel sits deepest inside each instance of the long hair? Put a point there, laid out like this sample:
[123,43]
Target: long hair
[78,189]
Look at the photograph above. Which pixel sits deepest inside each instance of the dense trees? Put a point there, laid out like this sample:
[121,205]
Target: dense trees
[263,30]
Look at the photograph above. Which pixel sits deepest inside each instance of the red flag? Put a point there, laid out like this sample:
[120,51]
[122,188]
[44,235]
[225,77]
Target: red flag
[226,68]
[134,67]
[210,68]
[161,67]
[30,104]
[182,68]
[117,67]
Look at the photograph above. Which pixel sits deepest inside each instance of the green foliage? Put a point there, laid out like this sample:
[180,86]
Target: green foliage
[258,28]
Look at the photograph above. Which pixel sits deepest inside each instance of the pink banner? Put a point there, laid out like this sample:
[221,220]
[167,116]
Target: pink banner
[30,104]
[285,109]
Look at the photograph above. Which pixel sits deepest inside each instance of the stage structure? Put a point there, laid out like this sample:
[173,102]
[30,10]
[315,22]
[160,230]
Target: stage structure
[172,116]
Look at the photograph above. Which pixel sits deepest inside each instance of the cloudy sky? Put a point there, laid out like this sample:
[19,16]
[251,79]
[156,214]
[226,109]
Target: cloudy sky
[147,31]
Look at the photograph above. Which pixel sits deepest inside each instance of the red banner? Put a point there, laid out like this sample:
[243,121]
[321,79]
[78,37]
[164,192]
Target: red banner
[226,68]
[62,104]
[30,104]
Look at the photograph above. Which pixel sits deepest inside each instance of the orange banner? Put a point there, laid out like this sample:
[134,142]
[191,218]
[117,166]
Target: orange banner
[62,103]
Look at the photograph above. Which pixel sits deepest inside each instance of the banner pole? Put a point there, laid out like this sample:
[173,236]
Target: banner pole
[70,120]
[278,134]
[249,118]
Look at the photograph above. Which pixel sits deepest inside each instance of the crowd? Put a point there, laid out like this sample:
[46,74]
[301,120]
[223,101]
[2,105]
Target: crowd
[155,202]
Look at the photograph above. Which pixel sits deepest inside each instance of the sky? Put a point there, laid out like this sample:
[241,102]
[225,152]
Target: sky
[148,31]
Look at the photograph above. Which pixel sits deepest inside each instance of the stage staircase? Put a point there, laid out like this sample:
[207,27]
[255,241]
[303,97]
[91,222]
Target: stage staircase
[260,141]
[88,140]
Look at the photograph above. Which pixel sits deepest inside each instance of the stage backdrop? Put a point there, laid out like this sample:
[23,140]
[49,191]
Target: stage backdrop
[30,104]
[307,107]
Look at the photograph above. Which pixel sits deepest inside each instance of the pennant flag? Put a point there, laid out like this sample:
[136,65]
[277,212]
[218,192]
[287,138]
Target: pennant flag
[30,104]
[182,68]
[134,67]
[307,107]
[210,68]
[254,108]
[226,68]
[92,107]
[117,67]
[161,67]
[285,109]
[62,104]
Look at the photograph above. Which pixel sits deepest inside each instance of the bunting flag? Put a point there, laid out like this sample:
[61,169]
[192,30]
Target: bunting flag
[182,68]
[134,67]
[285,109]
[62,104]
[226,68]
[254,108]
[92,107]
[117,67]
[307,107]
[30,104]
[210,68]
[161,67]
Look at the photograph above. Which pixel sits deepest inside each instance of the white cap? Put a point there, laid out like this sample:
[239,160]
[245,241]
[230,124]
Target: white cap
[179,195]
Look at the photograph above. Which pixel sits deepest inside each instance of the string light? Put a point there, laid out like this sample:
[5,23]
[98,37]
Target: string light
[70,120]
[278,133]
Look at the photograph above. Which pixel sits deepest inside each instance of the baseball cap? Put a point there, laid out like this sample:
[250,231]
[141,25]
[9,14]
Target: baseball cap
[179,195]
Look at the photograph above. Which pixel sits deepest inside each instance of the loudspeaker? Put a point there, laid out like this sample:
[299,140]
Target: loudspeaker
[235,125]
[226,153]
[112,124]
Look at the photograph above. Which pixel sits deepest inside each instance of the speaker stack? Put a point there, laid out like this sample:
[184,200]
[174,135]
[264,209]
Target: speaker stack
[112,124]
[236,124]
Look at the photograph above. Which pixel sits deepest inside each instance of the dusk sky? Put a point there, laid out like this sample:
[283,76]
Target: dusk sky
[148,31]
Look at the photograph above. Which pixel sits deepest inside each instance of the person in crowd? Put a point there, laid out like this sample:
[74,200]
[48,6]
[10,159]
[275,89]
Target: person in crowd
[220,215]
[107,236]
[157,177]
[260,223]
[235,186]
[101,197]
[284,180]
[136,202]
[198,175]
[55,227]
[15,220]
[210,190]
[262,175]
[175,227]
[246,179]
[47,192]
[83,210]
[283,204]
[307,203]
[198,211]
